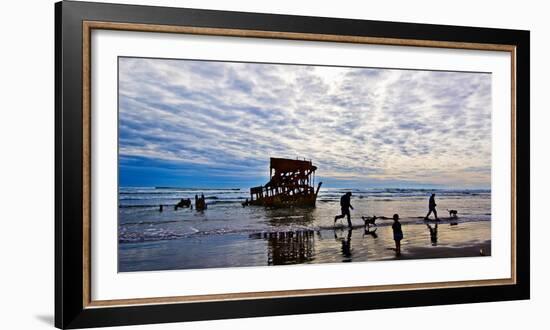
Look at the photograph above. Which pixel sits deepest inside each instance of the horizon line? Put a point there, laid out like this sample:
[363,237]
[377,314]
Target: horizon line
[331,187]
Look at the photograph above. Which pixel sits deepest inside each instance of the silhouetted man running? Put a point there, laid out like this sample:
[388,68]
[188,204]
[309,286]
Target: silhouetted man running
[345,205]
[432,206]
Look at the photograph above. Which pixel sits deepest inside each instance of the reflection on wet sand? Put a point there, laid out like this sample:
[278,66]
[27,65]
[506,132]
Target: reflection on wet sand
[433,233]
[346,245]
[295,247]
[290,247]
[308,246]
[371,233]
[335,245]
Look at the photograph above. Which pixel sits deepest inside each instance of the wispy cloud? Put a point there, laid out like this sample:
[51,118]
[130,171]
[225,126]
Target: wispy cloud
[362,125]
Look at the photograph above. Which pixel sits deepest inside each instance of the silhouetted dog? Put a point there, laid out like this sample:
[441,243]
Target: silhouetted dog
[369,221]
[453,213]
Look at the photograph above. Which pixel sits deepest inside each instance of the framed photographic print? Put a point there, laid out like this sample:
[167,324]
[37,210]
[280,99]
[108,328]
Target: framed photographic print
[214,164]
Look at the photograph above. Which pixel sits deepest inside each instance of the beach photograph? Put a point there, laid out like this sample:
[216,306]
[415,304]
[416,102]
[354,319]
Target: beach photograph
[243,164]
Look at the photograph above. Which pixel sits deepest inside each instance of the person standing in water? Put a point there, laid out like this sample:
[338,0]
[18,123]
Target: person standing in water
[397,234]
[431,206]
[345,205]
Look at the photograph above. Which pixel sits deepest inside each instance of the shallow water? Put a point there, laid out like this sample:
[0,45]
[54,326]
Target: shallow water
[140,220]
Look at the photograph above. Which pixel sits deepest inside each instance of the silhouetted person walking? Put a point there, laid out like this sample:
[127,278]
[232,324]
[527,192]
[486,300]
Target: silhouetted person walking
[345,205]
[397,234]
[432,206]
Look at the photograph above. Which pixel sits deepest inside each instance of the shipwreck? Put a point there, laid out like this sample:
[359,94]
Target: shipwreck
[291,183]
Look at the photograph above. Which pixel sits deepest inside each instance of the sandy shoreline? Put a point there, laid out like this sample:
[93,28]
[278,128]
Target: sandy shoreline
[474,250]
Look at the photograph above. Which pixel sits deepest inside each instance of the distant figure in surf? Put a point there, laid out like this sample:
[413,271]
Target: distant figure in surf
[397,234]
[161,207]
[200,203]
[345,205]
[431,206]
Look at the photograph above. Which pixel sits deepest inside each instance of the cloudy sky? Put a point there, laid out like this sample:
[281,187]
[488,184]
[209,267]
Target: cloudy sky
[215,124]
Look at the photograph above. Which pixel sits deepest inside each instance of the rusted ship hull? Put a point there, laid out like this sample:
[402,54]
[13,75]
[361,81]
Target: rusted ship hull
[291,184]
[286,201]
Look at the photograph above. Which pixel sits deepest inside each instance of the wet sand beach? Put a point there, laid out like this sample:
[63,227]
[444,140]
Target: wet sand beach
[471,239]
[230,235]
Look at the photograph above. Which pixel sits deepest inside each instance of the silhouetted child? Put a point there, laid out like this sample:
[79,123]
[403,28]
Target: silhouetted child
[397,234]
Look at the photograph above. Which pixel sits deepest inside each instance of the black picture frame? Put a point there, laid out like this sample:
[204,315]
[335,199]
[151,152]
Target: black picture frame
[70,309]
